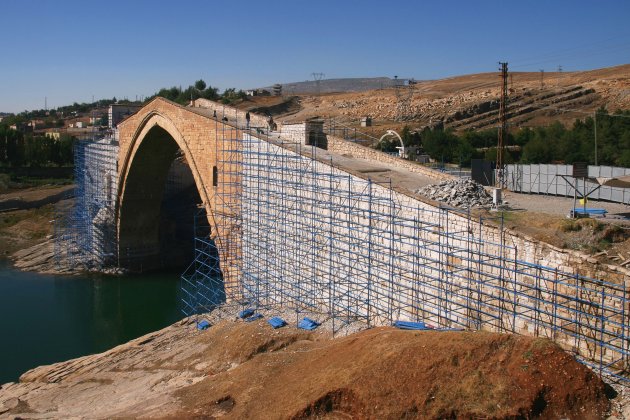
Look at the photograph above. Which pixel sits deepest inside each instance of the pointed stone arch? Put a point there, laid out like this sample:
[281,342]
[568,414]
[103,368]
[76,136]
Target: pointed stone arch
[149,141]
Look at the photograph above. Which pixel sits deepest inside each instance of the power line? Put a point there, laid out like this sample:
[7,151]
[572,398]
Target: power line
[598,47]
[318,78]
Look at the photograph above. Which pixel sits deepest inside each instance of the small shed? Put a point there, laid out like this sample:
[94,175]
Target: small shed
[308,133]
[366,122]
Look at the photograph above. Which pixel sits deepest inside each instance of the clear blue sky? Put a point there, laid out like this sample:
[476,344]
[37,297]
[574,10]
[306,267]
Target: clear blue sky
[72,50]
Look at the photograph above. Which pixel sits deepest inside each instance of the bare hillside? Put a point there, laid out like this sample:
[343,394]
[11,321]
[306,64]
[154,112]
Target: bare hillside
[471,101]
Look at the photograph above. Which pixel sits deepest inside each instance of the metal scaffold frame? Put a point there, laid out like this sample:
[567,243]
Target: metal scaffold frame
[212,277]
[298,233]
[85,234]
[202,282]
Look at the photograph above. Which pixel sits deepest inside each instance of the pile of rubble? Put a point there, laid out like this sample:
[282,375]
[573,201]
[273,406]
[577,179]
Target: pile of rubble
[463,192]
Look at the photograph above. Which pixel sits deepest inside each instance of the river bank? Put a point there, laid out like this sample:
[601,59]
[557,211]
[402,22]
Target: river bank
[56,313]
[27,216]
[249,370]
[27,219]
[180,371]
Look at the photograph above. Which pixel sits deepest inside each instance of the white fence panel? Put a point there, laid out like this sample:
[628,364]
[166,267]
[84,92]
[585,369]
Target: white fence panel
[547,179]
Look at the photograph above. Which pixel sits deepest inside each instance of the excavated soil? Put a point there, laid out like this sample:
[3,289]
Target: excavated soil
[247,370]
[388,373]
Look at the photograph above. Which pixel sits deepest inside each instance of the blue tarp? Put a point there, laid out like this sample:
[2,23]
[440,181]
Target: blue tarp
[202,325]
[277,322]
[253,318]
[308,324]
[245,313]
[582,210]
[407,325]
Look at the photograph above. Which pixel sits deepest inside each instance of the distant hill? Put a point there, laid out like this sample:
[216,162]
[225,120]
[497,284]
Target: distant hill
[357,84]
[468,102]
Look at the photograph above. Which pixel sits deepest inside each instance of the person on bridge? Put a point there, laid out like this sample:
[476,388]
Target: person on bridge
[247,117]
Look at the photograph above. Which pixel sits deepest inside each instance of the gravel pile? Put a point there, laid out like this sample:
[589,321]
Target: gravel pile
[463,192]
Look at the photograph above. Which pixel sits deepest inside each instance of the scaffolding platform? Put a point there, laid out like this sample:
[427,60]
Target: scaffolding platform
[301,234]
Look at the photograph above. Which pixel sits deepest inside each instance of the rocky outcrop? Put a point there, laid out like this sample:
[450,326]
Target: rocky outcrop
[43,258]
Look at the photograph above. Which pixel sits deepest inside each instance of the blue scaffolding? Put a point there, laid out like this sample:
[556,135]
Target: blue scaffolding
[202,284]
[298,233]
[85,233]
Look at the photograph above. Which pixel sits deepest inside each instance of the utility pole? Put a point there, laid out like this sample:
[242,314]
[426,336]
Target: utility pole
[318,78]
[503,128]
[542,75]
[404,95]
[595,130]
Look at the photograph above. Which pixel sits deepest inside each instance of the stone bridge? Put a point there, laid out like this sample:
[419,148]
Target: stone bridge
[197,136]
[150,141]
[341,232]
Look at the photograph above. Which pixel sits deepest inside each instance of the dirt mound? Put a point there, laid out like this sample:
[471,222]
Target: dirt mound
[388,373]
[247,370]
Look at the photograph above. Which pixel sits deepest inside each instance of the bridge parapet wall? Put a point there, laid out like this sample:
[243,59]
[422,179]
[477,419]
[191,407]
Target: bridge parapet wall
[343,147]
[234,115]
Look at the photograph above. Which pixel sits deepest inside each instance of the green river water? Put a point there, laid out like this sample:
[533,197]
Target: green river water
[46,319]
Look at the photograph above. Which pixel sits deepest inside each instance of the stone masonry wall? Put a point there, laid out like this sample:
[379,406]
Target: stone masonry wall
[206,144]
[343,147]
[234,115]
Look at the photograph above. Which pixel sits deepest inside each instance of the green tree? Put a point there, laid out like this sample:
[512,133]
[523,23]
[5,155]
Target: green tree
[211,93]
[388,145]
[66,150]
[406,136]
[441,145]
[231,95]
[538,150]
[464,152]
[491,155]
[15,148]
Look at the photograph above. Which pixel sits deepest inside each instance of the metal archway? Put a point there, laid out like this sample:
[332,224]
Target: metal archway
[392,133]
